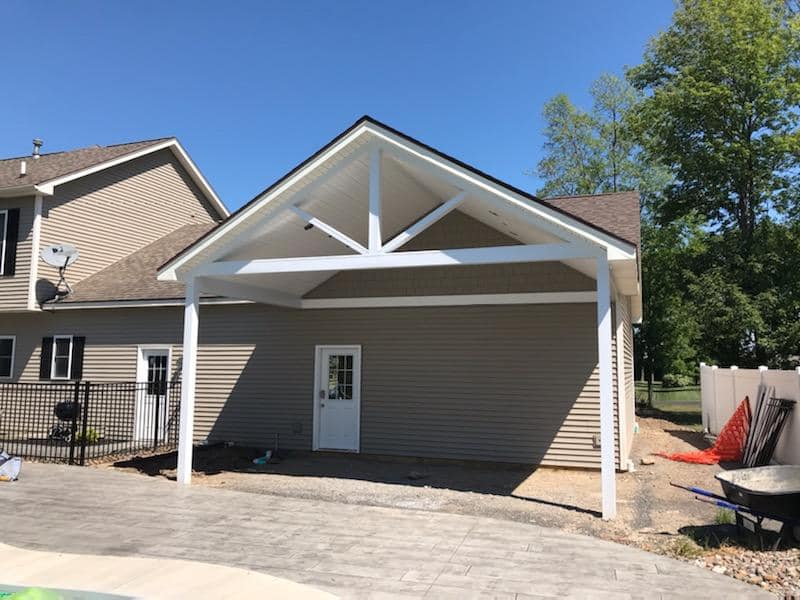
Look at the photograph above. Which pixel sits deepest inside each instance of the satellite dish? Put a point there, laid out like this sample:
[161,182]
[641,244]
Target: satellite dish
[59,255]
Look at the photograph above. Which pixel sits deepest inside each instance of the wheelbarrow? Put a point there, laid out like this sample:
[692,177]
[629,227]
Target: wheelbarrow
[757,494]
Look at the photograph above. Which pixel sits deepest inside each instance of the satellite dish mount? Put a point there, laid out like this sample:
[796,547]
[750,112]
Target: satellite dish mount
[60,256]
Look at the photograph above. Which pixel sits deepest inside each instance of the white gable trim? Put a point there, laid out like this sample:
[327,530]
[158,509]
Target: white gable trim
[48,187]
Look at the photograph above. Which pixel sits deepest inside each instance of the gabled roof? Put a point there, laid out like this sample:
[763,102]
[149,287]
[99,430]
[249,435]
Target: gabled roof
[43,174]
[574,218]
[57,164]
[134,277]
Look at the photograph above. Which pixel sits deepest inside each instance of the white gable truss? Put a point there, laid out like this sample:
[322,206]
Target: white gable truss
[356,202]
[353,206]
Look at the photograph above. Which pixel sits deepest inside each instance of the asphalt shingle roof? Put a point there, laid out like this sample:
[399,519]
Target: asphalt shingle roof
[617,213]
[55,164]
[134,277]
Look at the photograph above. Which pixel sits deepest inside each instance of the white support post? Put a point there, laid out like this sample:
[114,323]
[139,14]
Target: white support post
[191,321]
[375,239]
[607,463]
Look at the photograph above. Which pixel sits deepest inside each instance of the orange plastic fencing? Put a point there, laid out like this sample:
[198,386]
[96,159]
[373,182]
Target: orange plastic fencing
[729,446]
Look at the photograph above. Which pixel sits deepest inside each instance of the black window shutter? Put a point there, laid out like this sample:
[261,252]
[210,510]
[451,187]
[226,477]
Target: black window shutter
[78,344]
[12,235]
[46,358]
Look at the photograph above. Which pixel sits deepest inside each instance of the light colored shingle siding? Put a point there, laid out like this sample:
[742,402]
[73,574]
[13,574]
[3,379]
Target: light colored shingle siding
[505,383]
[14,289]
[456,230]
[112,213]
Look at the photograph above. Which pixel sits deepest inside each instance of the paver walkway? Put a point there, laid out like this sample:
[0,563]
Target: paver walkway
[353,551]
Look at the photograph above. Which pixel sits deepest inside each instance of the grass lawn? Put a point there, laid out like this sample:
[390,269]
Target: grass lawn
[679,405]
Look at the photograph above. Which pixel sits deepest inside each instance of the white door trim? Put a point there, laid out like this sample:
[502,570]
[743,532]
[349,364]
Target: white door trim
[141,364]
[315,402]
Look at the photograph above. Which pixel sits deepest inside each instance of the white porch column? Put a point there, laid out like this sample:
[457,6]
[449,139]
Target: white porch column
[191,321]
[607,463]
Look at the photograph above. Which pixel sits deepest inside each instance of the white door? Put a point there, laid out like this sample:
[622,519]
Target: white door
[337,396]
[151,394]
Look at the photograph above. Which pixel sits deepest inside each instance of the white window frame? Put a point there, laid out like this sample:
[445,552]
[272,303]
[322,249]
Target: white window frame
[141,363]
[3,238]
[13,339]
[53,358]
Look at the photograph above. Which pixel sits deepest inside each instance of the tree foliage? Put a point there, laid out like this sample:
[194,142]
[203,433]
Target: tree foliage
[708,129]
[722,89]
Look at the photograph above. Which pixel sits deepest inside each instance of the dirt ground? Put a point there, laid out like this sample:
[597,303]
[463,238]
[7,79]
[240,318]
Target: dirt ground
[652,514]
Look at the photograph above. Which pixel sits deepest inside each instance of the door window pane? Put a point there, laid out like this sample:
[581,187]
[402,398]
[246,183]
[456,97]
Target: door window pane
[156,374]
[340,377]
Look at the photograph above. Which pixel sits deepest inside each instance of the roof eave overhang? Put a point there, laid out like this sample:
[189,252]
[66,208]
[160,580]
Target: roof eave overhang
[47,188]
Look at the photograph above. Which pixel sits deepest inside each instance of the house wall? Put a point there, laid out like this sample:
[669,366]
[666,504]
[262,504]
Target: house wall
[456,230]
[628,403]
[111,213]
[14,289]
[515,383]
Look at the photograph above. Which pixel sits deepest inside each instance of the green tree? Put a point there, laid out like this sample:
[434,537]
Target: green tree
[722,87]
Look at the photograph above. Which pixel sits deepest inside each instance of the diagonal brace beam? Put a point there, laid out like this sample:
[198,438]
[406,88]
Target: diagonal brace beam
[414,230]
[331,231]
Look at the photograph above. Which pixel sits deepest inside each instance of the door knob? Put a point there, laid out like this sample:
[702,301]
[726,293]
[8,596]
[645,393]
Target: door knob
[322,405]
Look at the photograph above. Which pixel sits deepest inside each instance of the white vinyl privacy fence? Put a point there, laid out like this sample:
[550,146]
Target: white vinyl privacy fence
[723,389]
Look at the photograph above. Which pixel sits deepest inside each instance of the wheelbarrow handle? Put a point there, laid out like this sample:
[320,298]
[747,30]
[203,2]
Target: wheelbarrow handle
[700,491]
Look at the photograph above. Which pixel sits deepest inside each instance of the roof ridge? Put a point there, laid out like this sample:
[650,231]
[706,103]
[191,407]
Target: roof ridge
[559,197]
[29,156]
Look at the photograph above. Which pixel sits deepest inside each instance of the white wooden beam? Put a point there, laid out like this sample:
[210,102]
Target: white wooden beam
[331,231]
[395,260]
[375,239]
[432,217]
[243,291]
[607,463]
[191,323]
[452,300]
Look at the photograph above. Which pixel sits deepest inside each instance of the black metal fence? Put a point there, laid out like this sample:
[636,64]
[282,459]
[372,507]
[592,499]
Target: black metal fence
[73,422]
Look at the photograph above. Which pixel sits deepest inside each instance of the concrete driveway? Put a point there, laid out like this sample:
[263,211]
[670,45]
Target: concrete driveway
[350,550]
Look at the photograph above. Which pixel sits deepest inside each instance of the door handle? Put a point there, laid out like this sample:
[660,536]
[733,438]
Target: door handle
[322,405]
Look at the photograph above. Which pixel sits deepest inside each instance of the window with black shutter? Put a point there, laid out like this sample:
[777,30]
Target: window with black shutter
[6,356]
[9,234]
[62,357]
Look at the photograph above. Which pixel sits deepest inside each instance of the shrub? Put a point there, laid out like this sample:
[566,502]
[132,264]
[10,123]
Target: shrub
[91,436]
[674,380]
[724,517]
[686,547]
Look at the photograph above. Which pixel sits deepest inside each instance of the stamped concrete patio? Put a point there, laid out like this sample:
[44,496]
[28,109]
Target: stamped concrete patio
[353,551]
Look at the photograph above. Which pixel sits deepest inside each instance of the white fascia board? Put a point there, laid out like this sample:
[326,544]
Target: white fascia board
[452,300]
[176,149]
[25,190]
[169,271]
[137,303]
[394,260]
[466,177]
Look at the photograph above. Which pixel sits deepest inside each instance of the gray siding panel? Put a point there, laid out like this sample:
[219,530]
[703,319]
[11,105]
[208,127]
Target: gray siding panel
[112,213]
[14,290]
[505,383]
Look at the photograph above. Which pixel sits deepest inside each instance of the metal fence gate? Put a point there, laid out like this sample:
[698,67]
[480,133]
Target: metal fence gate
[73,422]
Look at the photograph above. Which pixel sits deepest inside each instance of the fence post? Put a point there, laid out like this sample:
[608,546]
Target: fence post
[158,412]
[86,386]
[73,427]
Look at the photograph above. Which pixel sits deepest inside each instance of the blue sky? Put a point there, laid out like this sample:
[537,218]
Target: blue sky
[252,88]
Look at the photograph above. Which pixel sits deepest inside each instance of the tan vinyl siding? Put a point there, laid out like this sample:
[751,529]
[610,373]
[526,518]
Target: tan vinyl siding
[112,213]
[629,402]
[505,383]
[14,289]
[456,230]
